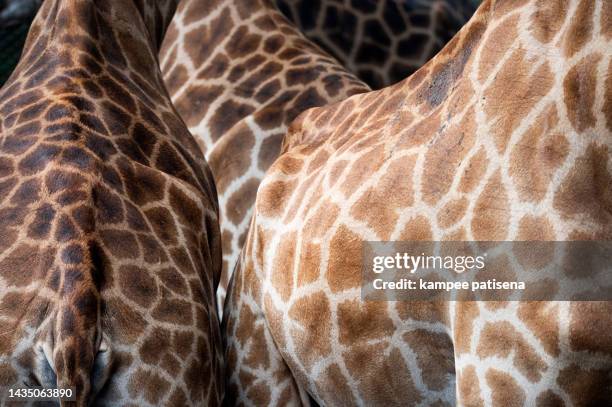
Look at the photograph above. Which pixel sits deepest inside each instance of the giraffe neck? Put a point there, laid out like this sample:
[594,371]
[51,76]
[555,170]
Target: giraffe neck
[125,34]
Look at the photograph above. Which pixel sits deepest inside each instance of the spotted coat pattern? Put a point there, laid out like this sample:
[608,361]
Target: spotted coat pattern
[381,41]
[239,73]
[110,249]
[505,135]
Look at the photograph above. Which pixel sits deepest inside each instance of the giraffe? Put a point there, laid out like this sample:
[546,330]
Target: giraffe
[380,41]
[505,135]
[111,250]
[238,74]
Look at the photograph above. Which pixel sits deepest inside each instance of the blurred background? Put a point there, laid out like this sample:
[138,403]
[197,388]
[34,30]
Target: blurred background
[399,28]
[15,19]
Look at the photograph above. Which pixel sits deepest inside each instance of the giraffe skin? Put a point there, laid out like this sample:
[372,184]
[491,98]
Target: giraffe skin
[238,74]
[111,251]
[381,41]
[505,135]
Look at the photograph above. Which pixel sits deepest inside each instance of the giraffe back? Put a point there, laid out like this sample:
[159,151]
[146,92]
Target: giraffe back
[110,249]
[239,73]
[505,135]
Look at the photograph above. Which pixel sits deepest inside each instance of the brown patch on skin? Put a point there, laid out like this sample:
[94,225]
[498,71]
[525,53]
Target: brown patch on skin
[547,19]
[513,94]
[606,20]
[318,223]
[474,171]
[309,263]
[490,217]
[363,321]
[195,101]
[462,93]
[423,311]
[496,42]
[465,314]
[416,229]
[242,43]
[291,165]
[241,201]
[579,88]
[585,387]
[372,364]
[231,156]
[301,206]
[24,257]
[549,398]
[200,42]
[380,206]
[469,388]
[444,75]
[282,278]
[175,311]
[199,9]
[8,376]
[333,387]
[452,212]
[182,343]
[287,396]
[343,111]
[128,324]
[143,185]
[259,394]
[444,154]
[505,392]
[502,339]
[589,320]
[246,325]
[316,163]
[137,285]
[398,122]
[607,107]
[149,385]
[189,212]
[170,364]
[419,133]
[500,8]
[542,319]
[273,197]
[215,69]
[585,191]
[534,228]
[313,315]
[537,156]
[581,28]
[434,354]
[417,77]
[163,223]
[226,116]
[362,169]
[155,346]
[257,357]
[344,266]
[270,150]
[120,244]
